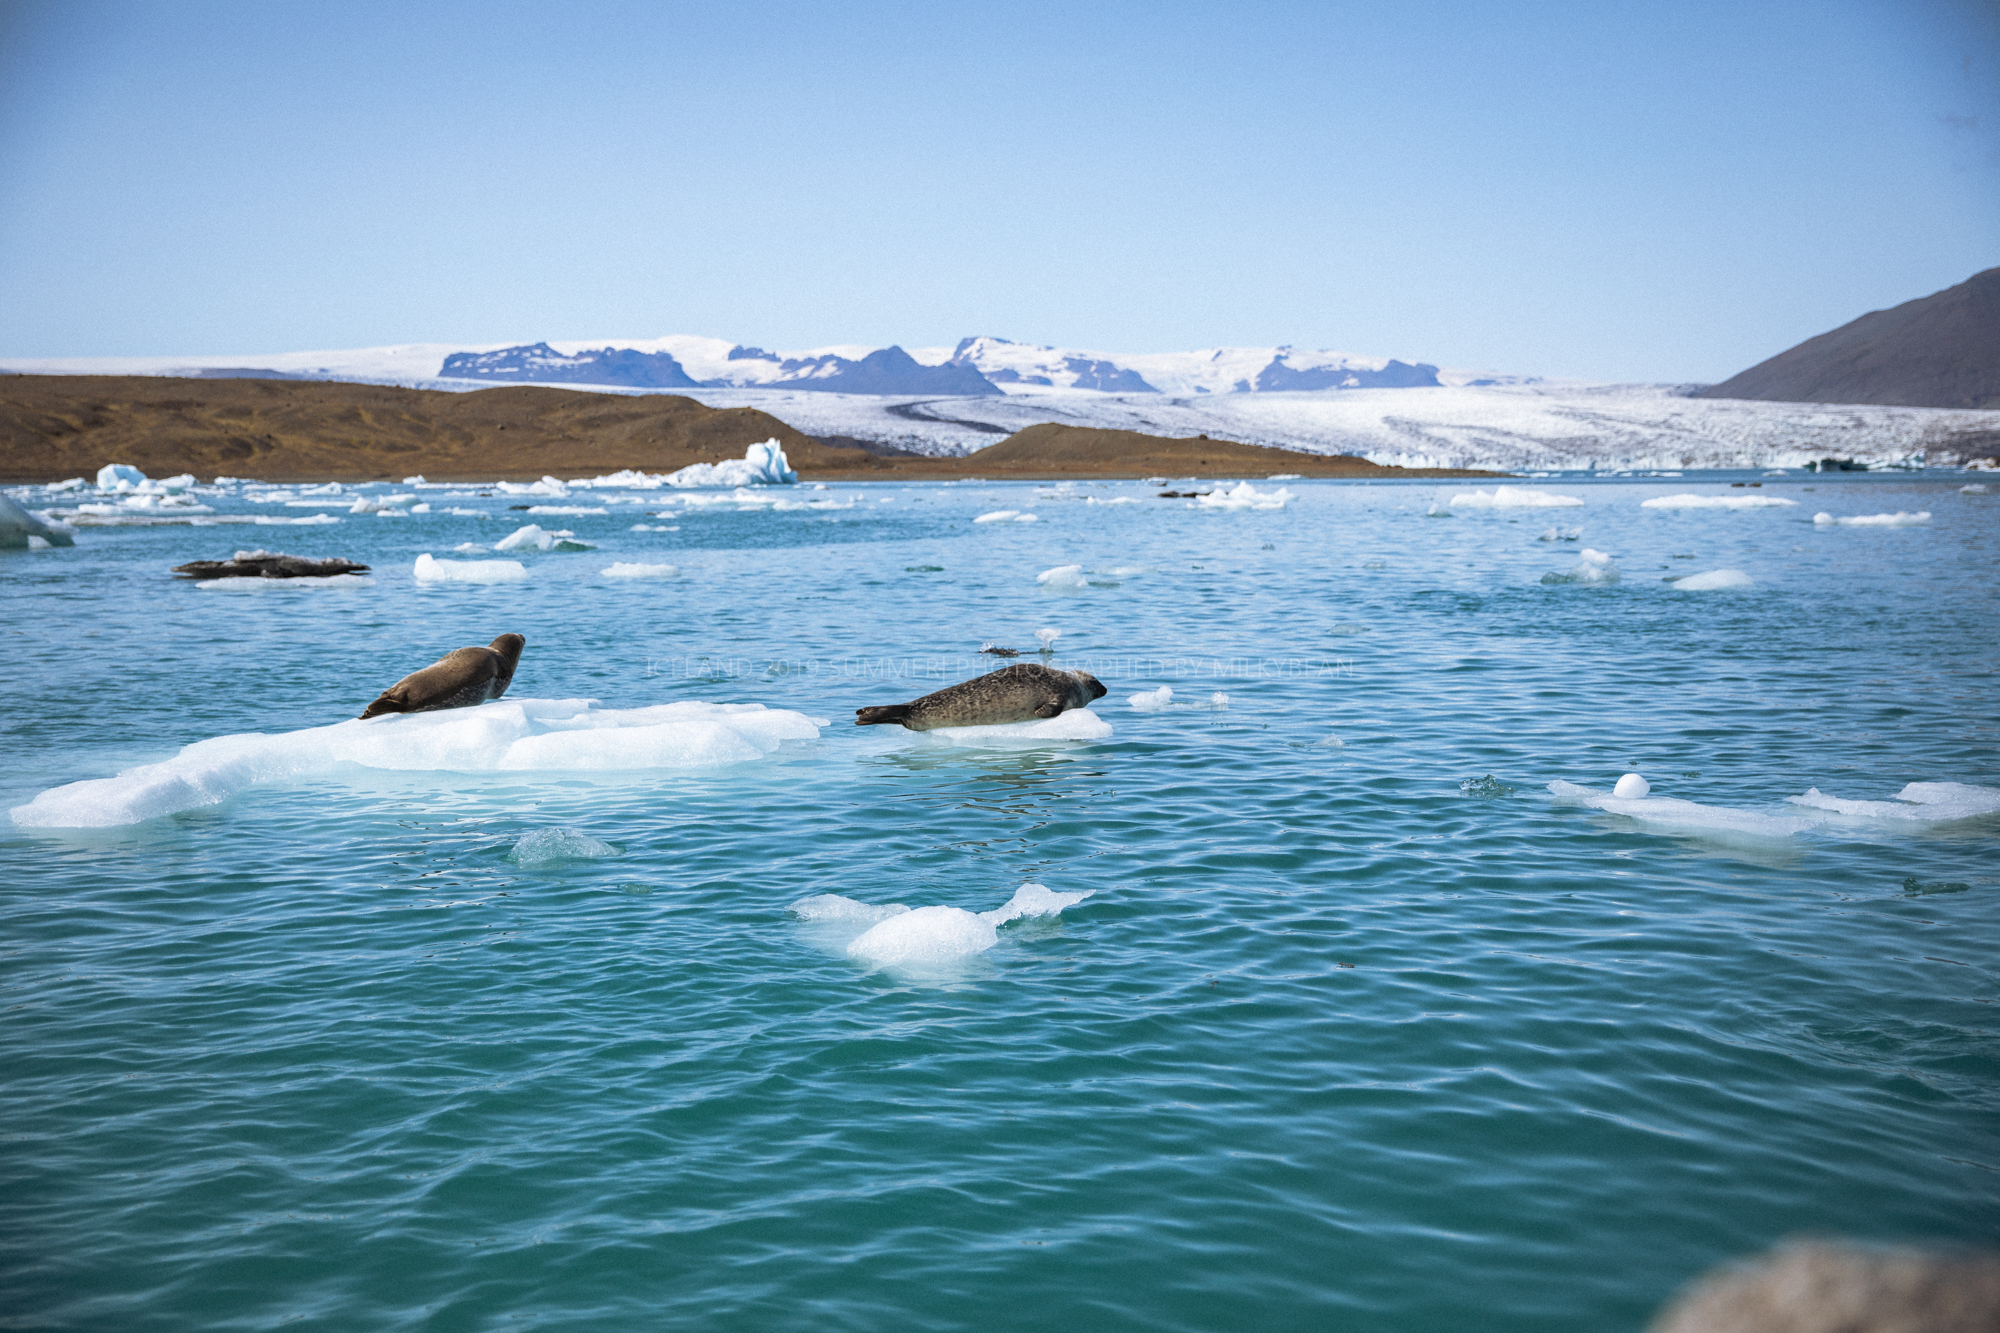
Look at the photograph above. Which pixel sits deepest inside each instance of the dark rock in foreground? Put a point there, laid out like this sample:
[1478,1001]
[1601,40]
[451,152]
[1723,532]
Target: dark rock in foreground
[268,565]
[1940,351]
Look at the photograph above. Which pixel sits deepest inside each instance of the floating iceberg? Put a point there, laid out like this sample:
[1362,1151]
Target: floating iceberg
[1245,496]
[119,476]
[1713,581]
[998,516]
[1716,502]
[1919,803]
[429,570]
[925,937]
[506,736]
[1078,724]
[19,528]
[534,538]
[1152,701]
[553,846]
[1899,519]
[1678,816]
[761,465]
[1513,497]
[1591,567]
[626,570]
[1063,576]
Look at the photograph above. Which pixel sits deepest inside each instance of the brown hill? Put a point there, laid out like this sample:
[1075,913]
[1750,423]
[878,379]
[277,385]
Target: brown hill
[1942,350]
[57,426]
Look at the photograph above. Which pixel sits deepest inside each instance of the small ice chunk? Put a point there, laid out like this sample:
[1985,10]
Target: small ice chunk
[1560,535]
[1033,900]
[417,480]
[1027,518]
[998,516]
[1244,496]
[761,465]
[1048,638]
[1976,488]
[924,937]
[1218,701]
[1899,519]
[552,846]
[1714,580]
[469,548]
[627,570]
[1592,567]
[1716,502]
[1919,802]
[529,538]
[1063,577]
[833,907]
[119,476]
[429,570]
[1631,787]
[566,511]
[1513,497]
[1152,701]
[1286,476]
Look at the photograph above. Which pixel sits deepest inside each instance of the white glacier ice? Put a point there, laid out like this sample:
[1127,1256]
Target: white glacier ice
[119,476]
[1716,502]
[1899,519]
[553,846]
[506,736]
[1631,787]
[1513,497]
[1245,496]
[1063,577]
[430,570]
[1592,567]
[1152,701]
[761,465]
[534,538]
[623,569]
[998,516]
[1078,724]
[1678,816]
[1714,580]
[923,938]
[1919,803]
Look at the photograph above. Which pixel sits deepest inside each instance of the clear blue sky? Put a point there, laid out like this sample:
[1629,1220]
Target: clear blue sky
[1656,192]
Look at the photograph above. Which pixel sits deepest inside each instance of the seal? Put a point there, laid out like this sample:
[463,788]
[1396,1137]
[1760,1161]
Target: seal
[1022,692]
[459,679]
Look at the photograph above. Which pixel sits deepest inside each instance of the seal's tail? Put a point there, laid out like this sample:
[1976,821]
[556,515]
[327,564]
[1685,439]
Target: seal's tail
[870,717]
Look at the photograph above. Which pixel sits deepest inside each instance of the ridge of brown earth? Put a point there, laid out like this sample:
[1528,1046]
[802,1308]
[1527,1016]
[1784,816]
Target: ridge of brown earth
[58,426]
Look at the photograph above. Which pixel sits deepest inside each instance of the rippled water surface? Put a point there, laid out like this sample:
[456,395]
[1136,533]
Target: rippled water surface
[1334,1042]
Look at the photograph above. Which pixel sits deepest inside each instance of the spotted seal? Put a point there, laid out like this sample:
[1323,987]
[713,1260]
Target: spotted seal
[459,679]
[1022,692]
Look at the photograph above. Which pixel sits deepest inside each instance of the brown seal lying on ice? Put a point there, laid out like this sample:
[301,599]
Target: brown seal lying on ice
[1019,693]
[268,565]
[459,679]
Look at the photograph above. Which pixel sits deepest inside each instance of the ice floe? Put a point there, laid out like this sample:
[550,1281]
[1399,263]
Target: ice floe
[1716,502]
[998,516]
[628,570]
[19,528]
[534,538]
[554,846]
[1593,567]
[1899,519]
[1714,580]
[922,938]
[567,511]
[1917,803]
[1513,497]
[508,735]
[430,570]
[1063,577]
[1152,701]
[1245,496]
[1078,724]
[1679,816]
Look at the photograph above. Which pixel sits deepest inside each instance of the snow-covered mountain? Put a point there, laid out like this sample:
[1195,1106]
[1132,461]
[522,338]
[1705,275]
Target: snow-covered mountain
[975,367]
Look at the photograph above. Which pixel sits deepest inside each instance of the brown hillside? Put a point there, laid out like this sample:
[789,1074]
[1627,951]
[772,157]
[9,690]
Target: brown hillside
[57,426]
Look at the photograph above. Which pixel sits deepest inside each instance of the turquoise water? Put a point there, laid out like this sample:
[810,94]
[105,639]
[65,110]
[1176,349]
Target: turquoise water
[1333,1043]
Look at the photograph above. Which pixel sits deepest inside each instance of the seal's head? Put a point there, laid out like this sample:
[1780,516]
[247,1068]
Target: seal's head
[1092,687]
[509,647]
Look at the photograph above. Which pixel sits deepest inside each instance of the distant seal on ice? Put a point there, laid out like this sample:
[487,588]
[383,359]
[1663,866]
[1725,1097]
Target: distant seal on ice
[1019,693]
[459,679]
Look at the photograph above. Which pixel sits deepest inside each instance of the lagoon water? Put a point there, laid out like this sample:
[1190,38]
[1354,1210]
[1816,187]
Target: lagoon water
[1358,1027]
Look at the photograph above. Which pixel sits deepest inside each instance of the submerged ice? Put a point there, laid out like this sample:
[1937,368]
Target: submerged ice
[1916,803]
[507,736]
[922,938]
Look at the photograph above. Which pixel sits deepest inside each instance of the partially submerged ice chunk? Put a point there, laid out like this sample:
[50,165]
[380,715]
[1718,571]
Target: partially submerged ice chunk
[1916,803]
[1077,725]
[1152,701]
[1899,519]
[553,846]
[1715,580]
[1674,815]
[1716,502]
[1513,497]
[923,938]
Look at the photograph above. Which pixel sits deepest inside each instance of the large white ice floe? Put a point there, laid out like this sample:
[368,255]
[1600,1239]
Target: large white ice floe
[1917,803]
[1716,502]
[1245,496]
[1714,580]
[506,736]
[1513,497]
[429,569]
[19,528]
[1674,815]
[923,938]
[1899,519]
[1078,724]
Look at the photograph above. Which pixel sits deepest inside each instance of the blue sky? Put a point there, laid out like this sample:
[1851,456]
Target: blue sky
[1664,192]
